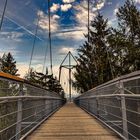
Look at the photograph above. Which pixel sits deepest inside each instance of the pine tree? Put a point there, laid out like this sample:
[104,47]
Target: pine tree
[109,52]
[98,38]
[129,20]
[119,52]
[44,80]
[94,66]
[8,64]
[54,85]
[129,24]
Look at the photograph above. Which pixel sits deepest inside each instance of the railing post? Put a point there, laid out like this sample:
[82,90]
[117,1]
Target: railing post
[52,105]
[46,107]
[79,102]
[138,106]
[124,114]
[97,102]
[19,114]
[88,105]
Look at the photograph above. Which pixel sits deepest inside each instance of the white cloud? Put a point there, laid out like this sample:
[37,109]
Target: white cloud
[81,17]
[66,7]
[54,7]
[22,69]
[94,9]
[77,35]
[115,11]
[28,2]
[43,22]
[65,50]
[68,1]
[137,1]
[109,3]
[55,17]
[100,4]
[82,14]
[15,36]
[112,22]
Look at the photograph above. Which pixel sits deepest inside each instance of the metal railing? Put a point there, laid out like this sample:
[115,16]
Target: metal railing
[23,107]
[116,104]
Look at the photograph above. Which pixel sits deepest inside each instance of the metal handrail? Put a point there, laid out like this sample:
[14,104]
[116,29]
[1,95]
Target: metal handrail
[29,97]
[124,78]
[115,101]
[112,95]
[32,103]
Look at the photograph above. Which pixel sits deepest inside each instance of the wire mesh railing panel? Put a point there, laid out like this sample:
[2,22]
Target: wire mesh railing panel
[132,86]
[109,110]
[23,106]
[8,117]
[116,104]
[8,88]
[133,116]
[19,115]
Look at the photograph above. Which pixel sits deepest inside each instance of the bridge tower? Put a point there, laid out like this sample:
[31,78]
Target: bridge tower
[70,66]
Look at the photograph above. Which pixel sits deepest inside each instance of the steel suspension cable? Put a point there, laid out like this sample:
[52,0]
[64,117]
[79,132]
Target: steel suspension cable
[50,41]
[34,41]
[45,58]
[66,79]
[89,40]
[3,13]
[88,18]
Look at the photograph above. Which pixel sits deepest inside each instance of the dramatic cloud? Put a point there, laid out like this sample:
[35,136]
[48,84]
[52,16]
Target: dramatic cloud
[82,14]
[66,7]
[68,1]
[22,16]
[43,22]
[81,18]
[54,7]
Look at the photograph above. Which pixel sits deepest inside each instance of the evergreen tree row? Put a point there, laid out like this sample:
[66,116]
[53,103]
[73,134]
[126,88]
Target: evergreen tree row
[44,80]
[109,52]
[8,65]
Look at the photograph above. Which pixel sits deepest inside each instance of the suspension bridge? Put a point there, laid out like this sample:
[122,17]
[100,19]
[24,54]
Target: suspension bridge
[110,111]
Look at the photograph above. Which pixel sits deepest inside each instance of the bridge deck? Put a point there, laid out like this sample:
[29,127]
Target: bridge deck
[72,123]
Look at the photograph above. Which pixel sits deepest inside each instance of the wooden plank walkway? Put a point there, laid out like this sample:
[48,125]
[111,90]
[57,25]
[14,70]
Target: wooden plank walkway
[72,123]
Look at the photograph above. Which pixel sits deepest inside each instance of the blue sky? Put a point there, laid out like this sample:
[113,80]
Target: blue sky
[68,24]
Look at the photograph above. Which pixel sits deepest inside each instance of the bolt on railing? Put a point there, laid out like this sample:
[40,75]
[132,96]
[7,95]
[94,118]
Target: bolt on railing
[23,107]
[116,104]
